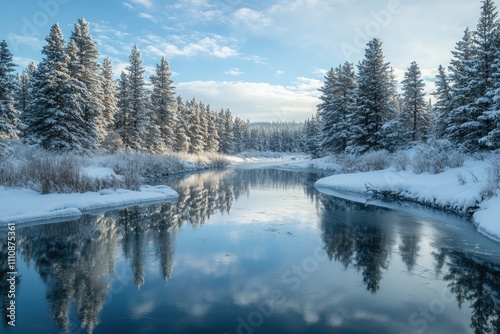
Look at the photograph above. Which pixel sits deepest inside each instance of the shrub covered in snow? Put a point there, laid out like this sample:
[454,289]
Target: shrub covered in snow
[401,160]
[47,172]
[493,179]
[369,161]
[436,157]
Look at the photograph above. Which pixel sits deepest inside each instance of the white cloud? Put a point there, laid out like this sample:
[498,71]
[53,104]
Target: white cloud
[145,3]
[22,61]
[147,16]
[212,46]
[234,71]
[250,18]
[14,40]
[258,101]
[256,59]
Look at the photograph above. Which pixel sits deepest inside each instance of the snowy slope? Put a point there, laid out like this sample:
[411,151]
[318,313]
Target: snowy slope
[23,205]
[458,189]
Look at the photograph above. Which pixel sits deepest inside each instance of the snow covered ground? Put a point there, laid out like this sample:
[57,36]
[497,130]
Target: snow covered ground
[24,205]
[459,189]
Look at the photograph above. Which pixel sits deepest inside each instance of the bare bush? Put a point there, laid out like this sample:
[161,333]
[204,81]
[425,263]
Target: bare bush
[370,161]
[436,157]
[493,180]
[401,160]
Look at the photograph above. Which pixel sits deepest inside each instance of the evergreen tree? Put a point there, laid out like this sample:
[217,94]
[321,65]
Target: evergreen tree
[460,120]
[195,129]
[182,141]
[375,96]
[163,103]
[212,143]
[106,120]
[58,108]
[491,118]
[443,105]
[228,123]
[122,123]
[338,100]
[24,94]
[84,67]
[138,104]
[312,133]
[415,114]
[9,115]
[225,130]
[152,141]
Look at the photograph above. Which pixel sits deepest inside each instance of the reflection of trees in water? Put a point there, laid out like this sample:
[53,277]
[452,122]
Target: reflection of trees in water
[76,260]
[477,281]
[352,241]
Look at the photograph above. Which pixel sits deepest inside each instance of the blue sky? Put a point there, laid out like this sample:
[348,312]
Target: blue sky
[263,59]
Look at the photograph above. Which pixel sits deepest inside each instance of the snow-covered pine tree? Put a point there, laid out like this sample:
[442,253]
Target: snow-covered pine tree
[122,122]
[106,120]
[202,108]
[195,128]
[228,132]
[85,68]
[58,109]
[248,137]
[225,123]
[327,111]
[9,115]
[338,99]
[462,75]
[152,140]
[163,103]
[239,135]
[375,95]
[443,104]
[138,105]
[491,118]
[312,134]
[212,144]
[415,116]
[182,141]
[484,50]
[24,94]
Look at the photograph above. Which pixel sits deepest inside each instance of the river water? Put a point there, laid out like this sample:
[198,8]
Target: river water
[255,250]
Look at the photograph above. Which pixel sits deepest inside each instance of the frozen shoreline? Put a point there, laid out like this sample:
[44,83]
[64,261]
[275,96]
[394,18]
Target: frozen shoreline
[25,206]
[458,189]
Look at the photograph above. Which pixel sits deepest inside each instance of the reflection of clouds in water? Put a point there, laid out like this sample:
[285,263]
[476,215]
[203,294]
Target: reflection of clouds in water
[215,265]
[140,310]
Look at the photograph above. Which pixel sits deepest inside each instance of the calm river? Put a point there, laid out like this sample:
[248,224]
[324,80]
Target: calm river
[255,250]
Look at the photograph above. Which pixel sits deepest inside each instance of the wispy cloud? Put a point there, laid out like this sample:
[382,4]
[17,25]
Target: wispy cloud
[234,71]
[15,40]
[147,16]
[145,3]
[212,46]
[251,19]
[22,61]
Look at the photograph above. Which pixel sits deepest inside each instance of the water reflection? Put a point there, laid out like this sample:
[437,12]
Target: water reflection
[474,280]
[78,261]
[354,235]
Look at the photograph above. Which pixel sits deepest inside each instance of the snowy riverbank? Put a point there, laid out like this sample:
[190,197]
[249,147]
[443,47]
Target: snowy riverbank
[24,206]
[460,189]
